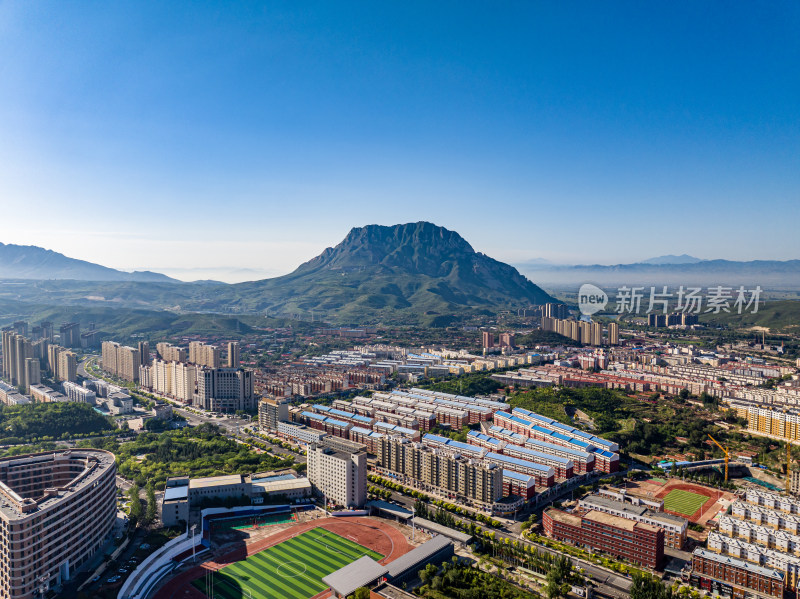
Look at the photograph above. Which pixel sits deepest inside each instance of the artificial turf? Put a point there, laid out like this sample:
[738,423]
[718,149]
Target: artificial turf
[292,569]
[684,502]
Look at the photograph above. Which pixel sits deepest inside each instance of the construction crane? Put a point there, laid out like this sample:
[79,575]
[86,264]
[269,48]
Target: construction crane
[727,455]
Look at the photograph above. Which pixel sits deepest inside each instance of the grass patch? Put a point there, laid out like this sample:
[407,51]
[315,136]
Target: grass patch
[684,502]
[293,569]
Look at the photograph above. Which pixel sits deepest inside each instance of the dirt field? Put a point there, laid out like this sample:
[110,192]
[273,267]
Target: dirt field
[720,500]
[379,535]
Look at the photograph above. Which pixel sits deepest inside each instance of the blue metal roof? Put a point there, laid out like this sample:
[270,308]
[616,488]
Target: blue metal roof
[538,454]
[504,459]
[435,438]
[525,478]
[533,415]
[321,408]
[172,493]
[334,421]
[365,419]
[554,447]
[314,416]
[358,429]
[482,437]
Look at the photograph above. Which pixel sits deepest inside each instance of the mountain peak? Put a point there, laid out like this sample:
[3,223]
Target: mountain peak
[672,259]
[33,262]
[422,247]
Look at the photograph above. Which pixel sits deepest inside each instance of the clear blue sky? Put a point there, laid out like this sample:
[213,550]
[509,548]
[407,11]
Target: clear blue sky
[132,134]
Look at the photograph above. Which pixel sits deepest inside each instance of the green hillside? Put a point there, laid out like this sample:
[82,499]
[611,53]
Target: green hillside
[779,315]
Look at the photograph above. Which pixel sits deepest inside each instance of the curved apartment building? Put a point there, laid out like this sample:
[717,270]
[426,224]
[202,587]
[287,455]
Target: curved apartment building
[56,510]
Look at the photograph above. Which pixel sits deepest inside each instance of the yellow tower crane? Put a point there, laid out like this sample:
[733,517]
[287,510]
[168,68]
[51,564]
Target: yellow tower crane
[727,455]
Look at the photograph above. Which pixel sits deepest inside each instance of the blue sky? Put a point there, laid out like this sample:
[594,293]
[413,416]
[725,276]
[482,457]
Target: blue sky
[181,135]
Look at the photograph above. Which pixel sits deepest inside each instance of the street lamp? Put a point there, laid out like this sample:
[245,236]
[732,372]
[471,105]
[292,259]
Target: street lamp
[194,558]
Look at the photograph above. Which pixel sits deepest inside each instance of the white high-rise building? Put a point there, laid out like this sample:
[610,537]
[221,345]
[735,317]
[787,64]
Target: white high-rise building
[340,476]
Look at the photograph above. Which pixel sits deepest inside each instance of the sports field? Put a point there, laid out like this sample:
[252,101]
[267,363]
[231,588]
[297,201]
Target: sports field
[293,569]
[684,502]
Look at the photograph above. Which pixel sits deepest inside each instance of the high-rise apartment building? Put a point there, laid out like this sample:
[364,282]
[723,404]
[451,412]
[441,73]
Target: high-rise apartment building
[271,411]
[144,353]
[173,379]
[17,350]
[506,340]
[33,373]
[46,536]
[47,330]
[71,334]
[204,355]
[613,333]
[234,357]
[554,311]
[487,339]
[121,360]
[170,353]
[430,469]
[67,366]
[338,475]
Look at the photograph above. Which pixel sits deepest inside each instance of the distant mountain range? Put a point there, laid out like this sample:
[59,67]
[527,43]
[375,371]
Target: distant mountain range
[32,262]
[669,270]
[672,259]
[415,273]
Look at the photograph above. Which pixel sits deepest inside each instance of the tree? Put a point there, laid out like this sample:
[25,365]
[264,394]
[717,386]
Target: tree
[152,512]
[647,587]
[136,503]
[558,578]
[361,593]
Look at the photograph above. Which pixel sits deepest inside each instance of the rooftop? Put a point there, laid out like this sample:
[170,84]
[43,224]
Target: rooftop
[737,563]
[616,521]
[361,572]
[423,552]
[214,481]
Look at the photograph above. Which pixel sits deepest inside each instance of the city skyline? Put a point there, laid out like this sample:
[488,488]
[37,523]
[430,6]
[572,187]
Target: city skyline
[181,137]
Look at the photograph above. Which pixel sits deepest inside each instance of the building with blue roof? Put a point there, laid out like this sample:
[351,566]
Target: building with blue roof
[544,476]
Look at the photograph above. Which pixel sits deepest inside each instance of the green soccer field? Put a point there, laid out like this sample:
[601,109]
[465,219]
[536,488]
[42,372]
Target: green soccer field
[293,569]
[684,502]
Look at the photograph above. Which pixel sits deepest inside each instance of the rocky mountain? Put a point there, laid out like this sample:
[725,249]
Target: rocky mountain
[417,272]
[32,262]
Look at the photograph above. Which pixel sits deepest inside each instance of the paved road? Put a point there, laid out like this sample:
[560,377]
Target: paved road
[614,585]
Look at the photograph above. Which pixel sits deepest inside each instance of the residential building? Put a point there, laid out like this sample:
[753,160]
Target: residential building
[204,355]
[234,356]
[170,353]
[339,476]
[121,360]
[613,333]
[144,353]
[70,334]
[432,469]
[67,366]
